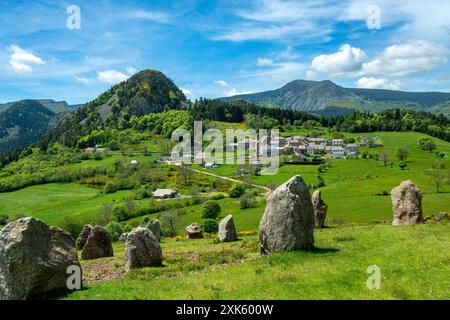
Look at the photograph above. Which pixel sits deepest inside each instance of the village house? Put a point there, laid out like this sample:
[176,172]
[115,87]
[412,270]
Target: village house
[338,152]
[352,148]
[164,194]
[211,165]
[337,142]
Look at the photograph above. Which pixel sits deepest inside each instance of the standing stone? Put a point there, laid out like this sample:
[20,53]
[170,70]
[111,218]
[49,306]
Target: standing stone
[155,227]
[34,258]
[142,249]
[320,209]
[98,245]
[123,237]
[227,230]
[288,222]
[82,238]
[194,231]
[406,204]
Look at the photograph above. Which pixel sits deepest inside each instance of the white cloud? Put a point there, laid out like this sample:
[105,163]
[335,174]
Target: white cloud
[108,76]
[21,61]
[347,61]
[221,83]
[264,62]
[235,92]
[408,58]
[111,76]
[131,70]
[188,93]
[381,83]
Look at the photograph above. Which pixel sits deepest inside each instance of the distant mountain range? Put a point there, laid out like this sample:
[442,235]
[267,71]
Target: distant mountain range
[328,98]
[24,122]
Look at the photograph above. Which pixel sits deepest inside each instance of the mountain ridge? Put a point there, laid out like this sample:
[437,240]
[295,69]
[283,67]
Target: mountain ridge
[312,96]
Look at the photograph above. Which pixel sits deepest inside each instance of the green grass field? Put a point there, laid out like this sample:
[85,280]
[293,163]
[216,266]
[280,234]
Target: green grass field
[413,260]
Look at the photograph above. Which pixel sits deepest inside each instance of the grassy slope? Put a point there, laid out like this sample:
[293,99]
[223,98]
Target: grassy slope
[414,263]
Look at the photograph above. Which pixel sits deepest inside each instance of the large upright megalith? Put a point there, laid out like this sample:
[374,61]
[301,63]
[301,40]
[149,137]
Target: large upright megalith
[34,259]
[406,204]
[320,209]
[288,222]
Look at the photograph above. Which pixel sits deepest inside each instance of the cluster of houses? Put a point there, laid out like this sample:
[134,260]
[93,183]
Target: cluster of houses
[302,147]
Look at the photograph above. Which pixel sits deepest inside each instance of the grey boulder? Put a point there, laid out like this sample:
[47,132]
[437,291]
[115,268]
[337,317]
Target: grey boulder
[288,221]
[407,204]
[98,245]
[227,230]
[82,238]
[155,227]
[142,249]
[320,209]
[34,259]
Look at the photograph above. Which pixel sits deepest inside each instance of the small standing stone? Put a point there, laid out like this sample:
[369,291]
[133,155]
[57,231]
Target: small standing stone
[82,238]
[227,230]
[194,231]
[155,227]
[320,209]
[98,245]
[142,249]
[407,204]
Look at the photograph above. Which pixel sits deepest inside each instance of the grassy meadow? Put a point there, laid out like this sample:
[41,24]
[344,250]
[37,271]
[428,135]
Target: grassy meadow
[413,260]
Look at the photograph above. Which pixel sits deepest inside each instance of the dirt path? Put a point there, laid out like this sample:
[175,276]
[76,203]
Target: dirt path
[229,179]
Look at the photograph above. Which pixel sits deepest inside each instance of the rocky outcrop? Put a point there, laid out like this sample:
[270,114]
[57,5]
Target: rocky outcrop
[193,231]
[34,259]
[407,204]
[142,249]
[98,245]
[155,227]
[320,209]
[288,222]
[227,230]
[82,238]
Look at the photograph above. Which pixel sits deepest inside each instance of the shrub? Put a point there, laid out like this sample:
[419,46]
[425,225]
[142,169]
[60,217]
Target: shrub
[169,223]
[115,230]
[71,225]
[218,196]
[109,187]
[237,190]
[210,210]
[248,201]
[210,226]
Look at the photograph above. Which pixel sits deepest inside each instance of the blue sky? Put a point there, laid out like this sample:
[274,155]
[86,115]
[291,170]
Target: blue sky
[217,48]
